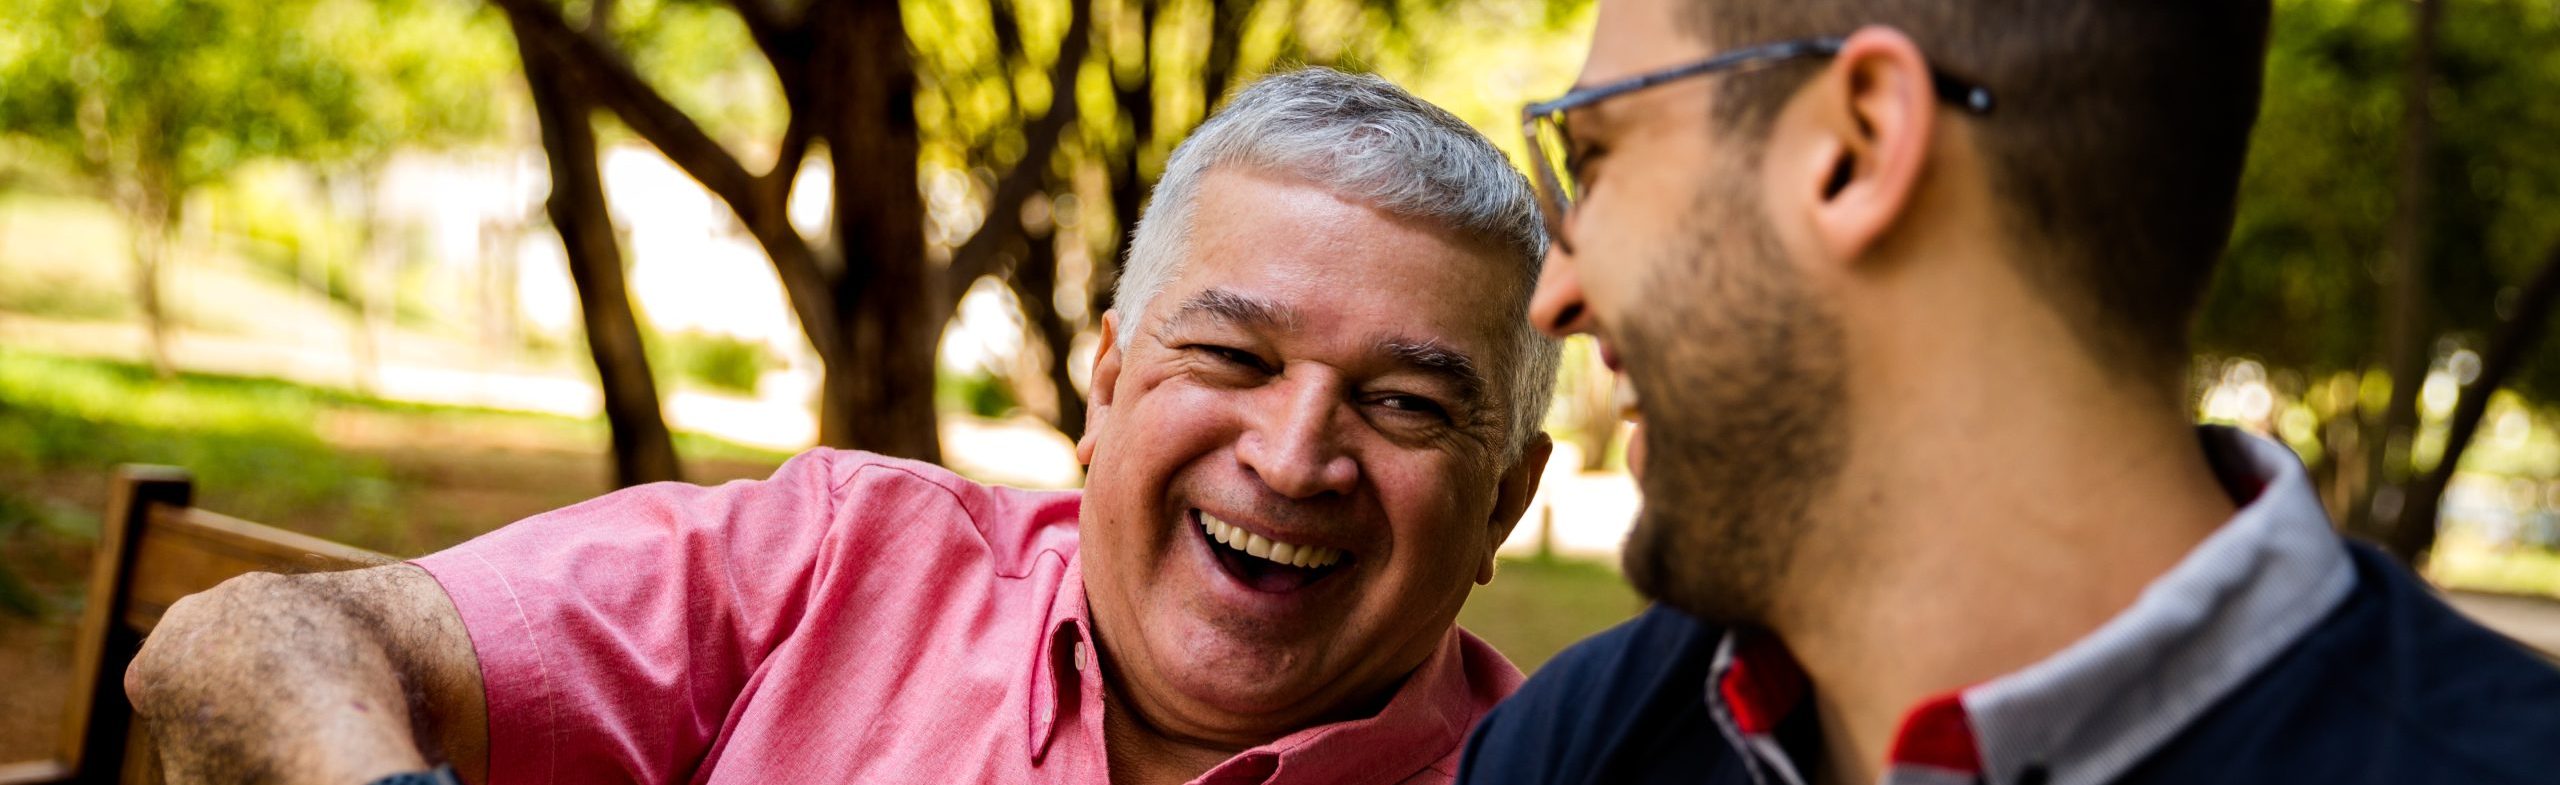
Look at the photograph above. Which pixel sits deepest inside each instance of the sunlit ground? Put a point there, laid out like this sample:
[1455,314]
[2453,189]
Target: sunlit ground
[2464,559]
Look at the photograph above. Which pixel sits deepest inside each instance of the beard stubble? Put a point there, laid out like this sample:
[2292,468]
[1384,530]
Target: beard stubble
[1744,406]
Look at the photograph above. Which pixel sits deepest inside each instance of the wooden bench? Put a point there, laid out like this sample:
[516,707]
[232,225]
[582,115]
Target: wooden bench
[154,547]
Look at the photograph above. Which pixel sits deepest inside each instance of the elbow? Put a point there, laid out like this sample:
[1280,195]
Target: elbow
[193,639]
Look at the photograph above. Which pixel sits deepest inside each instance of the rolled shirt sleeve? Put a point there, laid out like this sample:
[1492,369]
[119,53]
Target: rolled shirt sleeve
[615,635]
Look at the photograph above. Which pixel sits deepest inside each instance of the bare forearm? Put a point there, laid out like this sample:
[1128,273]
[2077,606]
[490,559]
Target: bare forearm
[285,680]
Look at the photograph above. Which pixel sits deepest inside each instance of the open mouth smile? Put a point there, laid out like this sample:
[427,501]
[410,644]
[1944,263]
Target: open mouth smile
[1263,564]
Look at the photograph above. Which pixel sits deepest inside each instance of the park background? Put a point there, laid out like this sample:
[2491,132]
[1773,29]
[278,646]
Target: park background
[397,272]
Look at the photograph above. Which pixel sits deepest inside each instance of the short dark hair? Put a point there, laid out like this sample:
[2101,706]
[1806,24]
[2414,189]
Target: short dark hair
[2116,147]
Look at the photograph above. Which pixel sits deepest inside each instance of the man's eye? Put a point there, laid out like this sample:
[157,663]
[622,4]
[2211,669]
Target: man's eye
[1231,356]
[1414,404]
[1577,165]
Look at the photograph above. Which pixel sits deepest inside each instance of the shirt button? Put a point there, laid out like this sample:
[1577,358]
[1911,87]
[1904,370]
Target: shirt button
[1080,656]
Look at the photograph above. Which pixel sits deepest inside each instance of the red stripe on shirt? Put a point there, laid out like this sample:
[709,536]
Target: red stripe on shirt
[1937,734]
[1762,685]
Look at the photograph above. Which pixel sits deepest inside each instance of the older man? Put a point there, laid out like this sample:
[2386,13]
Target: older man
[1313,420]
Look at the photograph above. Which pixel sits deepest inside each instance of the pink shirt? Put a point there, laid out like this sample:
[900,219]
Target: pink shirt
[853,618]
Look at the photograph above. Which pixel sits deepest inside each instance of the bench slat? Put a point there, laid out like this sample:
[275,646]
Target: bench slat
[185,550]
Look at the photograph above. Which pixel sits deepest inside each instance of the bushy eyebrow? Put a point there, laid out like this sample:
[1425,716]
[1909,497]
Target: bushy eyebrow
[1434,359]
[1235,309]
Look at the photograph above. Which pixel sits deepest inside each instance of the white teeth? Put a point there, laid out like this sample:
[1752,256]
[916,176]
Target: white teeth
[1258,546]
[1623,395]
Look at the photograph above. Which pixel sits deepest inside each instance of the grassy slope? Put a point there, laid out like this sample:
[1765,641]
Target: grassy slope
[1534,608]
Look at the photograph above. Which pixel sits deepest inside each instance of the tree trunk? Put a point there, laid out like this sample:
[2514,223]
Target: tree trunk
[1226,36]
[878,391]
[1035,285]
[643,449]
[1129,186]
[2507,352]
[156,220]
[2405,324]
[367,275]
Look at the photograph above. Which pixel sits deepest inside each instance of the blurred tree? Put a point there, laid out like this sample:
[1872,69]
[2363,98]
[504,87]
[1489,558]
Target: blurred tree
[865,296]
[2527,322]
[989,89]
[1154,71]
[151,99]
[2406,320]
[644,450]
[2315,252]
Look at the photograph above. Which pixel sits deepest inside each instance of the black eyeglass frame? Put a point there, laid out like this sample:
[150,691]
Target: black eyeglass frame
[1973,98]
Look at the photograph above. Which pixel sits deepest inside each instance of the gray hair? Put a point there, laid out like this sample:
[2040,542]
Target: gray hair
[1364,138]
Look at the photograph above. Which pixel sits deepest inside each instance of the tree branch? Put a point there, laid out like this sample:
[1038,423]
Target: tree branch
[612,83]
[2416,532]
[764,22]
[1003,225]
[785,40]
[787,158]
[1226,36]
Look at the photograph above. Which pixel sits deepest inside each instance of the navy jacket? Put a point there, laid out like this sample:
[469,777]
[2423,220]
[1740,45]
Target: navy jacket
[2393,687]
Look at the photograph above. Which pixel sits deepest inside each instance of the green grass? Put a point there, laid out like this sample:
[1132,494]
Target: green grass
[255,436]
[63,297]
[711,360]
[1535,608]
[257,439]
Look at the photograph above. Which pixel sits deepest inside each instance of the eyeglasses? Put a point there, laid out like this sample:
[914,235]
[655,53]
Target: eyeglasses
[1551,144]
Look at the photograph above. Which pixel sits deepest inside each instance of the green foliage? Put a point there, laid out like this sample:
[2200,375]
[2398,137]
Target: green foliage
[270,223]
[983,65]
[979,392]
[156,97]
[720,362]
[698,54]
[423,72]
[2299,286]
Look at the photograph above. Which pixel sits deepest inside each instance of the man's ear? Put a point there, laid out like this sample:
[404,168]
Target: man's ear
[1511,499]
[1106,383]
[1854,158]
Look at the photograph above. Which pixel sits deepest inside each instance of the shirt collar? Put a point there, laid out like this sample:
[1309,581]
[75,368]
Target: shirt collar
[2090,711]
[1424,722]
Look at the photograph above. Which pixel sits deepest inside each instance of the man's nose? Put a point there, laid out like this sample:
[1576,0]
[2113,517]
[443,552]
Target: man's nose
[1293,444]
[1557,307]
